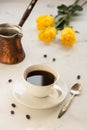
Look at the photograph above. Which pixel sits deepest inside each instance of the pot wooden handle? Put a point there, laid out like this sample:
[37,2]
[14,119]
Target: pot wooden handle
[27,12]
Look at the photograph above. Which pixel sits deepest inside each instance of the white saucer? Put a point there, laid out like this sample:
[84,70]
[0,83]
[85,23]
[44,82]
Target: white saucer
[21,94]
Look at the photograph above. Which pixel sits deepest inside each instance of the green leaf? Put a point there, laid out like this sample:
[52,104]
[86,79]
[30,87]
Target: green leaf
[63,9]
[61,13]
[77,8]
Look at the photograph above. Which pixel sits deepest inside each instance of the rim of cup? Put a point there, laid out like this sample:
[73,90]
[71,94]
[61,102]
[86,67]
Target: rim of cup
[42,67]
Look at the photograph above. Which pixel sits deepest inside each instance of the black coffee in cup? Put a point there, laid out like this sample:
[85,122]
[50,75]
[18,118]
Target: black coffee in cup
[40,78]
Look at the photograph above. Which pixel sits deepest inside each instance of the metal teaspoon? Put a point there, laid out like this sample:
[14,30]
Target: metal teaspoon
[75,90]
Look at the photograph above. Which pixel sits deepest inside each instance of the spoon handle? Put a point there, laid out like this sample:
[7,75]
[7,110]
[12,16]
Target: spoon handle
[27,12]
[66,106]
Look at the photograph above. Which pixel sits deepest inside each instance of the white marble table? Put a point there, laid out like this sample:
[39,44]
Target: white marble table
[69,63]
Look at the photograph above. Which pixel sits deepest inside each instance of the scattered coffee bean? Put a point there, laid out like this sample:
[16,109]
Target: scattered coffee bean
[13,105]
[45,55]
[54,59]
[78,76]
[28,116]
[12,112]
[10,80]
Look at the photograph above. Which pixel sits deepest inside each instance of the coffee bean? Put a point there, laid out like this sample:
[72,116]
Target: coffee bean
[10,80]
[78,76]
[12,112]
[45,55]
[54,59]
[28,116]
[13,105]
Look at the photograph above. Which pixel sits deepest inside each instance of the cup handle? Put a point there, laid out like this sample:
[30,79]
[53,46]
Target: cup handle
[57,90]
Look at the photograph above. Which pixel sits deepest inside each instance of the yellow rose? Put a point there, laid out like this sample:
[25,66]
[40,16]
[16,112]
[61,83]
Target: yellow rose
[48,34]
[44,21]
[68,36]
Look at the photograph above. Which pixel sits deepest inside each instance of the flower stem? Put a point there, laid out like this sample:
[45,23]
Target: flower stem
[65,13]
[84,3]
[59,22]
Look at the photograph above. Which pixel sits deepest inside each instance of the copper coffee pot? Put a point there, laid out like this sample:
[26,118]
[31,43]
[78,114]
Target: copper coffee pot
[11,50]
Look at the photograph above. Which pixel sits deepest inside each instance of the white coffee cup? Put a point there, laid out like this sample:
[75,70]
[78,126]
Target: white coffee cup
[40,90]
